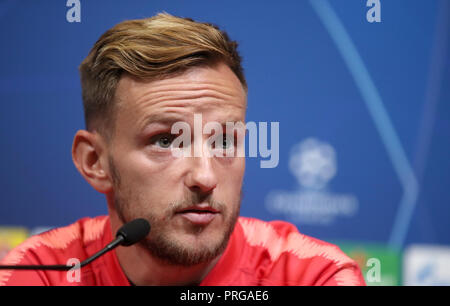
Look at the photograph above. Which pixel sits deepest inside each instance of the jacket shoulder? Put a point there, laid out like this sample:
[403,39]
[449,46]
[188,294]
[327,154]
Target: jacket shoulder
[292,258]
[55,246]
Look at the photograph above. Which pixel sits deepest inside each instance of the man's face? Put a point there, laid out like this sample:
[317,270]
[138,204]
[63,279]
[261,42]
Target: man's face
[192,203]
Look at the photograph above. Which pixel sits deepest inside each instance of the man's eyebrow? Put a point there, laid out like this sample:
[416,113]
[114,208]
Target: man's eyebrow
[169,119]
[160,118]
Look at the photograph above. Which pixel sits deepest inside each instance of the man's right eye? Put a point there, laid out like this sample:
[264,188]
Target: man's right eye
[164,141]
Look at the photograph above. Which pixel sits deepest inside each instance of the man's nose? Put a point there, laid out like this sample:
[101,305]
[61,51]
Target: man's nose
[201,176]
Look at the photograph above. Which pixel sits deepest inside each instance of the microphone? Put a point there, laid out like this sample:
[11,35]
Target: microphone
[129,234]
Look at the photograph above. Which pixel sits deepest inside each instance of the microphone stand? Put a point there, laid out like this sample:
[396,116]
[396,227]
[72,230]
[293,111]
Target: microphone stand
[111,246]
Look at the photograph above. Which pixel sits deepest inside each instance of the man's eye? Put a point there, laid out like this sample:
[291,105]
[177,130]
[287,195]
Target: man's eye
[163,141]
[226,142]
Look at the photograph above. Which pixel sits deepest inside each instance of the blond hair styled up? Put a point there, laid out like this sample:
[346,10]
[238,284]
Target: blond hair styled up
[149,49]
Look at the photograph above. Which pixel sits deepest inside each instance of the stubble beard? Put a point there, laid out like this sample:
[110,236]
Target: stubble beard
[159,243]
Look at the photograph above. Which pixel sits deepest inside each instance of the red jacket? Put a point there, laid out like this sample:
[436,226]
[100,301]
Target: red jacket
[258,253]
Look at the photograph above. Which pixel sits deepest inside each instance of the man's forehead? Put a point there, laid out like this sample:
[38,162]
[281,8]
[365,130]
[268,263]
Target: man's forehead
[199,90]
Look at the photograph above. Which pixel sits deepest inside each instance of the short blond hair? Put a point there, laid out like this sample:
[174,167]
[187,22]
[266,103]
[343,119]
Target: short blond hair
[150,49]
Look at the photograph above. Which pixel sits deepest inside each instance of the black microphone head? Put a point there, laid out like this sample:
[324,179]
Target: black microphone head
[134,231]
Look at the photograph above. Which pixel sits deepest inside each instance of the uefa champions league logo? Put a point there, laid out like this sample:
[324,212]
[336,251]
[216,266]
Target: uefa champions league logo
[314,164]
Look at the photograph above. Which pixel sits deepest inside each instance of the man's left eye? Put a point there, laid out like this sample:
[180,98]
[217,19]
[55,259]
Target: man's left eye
[227,143]
[223,142]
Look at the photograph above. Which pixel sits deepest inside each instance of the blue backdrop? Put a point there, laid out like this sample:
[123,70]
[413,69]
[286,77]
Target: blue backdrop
[363,109]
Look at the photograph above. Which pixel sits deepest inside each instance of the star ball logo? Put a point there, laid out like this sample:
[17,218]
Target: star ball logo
[313,164]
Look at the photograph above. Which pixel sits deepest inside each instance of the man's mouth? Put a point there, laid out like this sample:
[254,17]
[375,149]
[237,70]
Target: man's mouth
[201,214]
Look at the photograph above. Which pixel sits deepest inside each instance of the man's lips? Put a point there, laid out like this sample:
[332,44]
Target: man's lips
[198,214]
[198,209]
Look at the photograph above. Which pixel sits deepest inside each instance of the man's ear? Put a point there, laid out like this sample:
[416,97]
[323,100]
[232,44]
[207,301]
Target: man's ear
[89,155]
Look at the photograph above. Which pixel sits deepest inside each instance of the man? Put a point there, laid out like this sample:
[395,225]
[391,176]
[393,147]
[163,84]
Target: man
[141,78]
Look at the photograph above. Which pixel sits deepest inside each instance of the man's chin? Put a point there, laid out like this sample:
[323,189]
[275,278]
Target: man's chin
[187,248]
